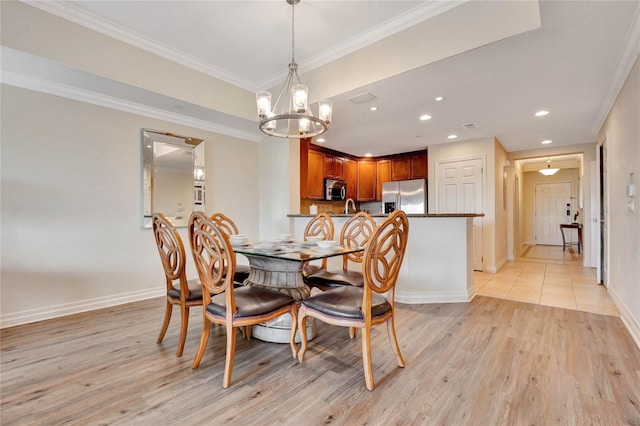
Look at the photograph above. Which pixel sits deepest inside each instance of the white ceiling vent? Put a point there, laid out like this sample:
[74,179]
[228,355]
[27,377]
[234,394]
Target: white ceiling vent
[362,98]
[470,126]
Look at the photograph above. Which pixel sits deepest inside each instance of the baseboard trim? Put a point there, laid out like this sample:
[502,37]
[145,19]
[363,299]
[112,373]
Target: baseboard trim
[495,269]
[627,319]
[49,312]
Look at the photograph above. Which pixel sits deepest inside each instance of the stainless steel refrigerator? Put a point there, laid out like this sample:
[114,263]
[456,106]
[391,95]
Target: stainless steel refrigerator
[407,195]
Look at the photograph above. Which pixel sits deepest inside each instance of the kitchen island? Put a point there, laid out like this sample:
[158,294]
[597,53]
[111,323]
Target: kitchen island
[438,263]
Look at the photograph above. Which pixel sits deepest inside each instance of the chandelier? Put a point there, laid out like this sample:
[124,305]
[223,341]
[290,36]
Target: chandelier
[548,171]
[291,116]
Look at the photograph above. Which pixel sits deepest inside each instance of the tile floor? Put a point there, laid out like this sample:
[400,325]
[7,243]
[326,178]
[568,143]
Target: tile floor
[548,276]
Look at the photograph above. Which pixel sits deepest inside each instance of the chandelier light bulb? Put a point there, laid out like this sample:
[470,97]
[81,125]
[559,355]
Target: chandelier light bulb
[299,94]
[263,101]
[324,110]
[303,125]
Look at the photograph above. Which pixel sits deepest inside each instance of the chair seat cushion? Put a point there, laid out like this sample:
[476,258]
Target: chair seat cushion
[251,301]
[337,278]
[195,290]
[309,269]
[346,302]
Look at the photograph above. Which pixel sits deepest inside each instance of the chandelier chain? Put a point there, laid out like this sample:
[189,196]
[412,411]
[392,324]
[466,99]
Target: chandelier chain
[293,34]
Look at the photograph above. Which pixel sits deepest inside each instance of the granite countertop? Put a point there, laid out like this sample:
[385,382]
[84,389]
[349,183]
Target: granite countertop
[408,215]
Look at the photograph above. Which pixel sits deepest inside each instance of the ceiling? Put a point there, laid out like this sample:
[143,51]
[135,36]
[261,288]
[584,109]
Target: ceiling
[569,66]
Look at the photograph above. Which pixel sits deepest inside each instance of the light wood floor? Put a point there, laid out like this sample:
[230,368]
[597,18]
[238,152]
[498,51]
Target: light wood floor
[488,362]
[546,275]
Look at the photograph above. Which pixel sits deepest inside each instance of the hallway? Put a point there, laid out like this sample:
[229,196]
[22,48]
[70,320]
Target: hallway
[546,275]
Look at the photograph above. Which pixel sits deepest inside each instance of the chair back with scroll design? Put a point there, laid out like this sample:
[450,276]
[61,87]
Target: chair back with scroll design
[229,306]
[229,228]
[180,290]
[321,225]
[356,233]
[224,223]
[364,307]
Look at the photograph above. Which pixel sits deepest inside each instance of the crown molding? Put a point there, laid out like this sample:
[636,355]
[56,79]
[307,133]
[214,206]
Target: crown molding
[58,89]
[81,17]
[401,22]
[629,56]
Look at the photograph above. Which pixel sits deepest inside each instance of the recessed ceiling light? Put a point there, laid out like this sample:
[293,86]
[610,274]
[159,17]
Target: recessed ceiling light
[542,113]
[373,108]
[425,117]
[546,141]
[368,154]
[452,136]
[439,98]
[320,140]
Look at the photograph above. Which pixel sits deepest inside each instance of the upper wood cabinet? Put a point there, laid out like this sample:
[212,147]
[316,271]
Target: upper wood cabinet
[333,166]
[351,177]
[401,168]
[409,166]
[419,165]
[384,175]
[315,175]
[367,180]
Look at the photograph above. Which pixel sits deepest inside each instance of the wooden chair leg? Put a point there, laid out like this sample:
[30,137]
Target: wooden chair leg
[353,332]
[167,318]
[231,349]
[184,326]
[393,340]
[366,357]
[294,327]
[302,326]
[204,338]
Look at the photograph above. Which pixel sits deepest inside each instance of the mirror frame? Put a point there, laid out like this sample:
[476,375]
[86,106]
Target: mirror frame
[149,146]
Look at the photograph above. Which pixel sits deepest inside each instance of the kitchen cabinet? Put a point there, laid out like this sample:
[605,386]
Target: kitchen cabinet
[367,180]
[351,177]
[419,165]
[401,168]
[409,166]
[315,175]
[333,166]
[383,175]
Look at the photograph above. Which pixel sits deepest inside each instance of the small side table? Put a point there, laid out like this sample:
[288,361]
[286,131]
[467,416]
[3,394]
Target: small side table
[577,226]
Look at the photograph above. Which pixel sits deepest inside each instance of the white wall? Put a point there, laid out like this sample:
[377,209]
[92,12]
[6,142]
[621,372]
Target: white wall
[71,213]
[484,148]
[622,132]
[276,184]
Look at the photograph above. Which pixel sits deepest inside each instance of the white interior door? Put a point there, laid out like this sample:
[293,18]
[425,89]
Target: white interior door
[552,202]
[460,189]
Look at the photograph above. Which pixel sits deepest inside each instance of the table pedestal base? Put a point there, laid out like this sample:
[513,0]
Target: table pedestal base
[279,330]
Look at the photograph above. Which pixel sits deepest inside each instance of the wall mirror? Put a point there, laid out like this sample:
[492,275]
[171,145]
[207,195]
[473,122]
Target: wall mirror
[173,174]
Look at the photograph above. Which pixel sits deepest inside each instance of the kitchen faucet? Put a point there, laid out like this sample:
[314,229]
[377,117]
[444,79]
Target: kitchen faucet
[346,205]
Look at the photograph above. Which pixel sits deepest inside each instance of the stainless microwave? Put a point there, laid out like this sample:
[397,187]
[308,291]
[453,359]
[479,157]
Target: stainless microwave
[335,189]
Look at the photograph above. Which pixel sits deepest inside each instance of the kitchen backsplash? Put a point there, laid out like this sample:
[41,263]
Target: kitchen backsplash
[335,207]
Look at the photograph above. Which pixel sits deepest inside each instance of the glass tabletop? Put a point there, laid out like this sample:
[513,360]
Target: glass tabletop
[296,251]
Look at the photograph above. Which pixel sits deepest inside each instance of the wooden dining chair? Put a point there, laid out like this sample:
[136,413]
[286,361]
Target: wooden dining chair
[228,227]
[319,226]
[180,291]
[355,233]
[223,303]
[364,307]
